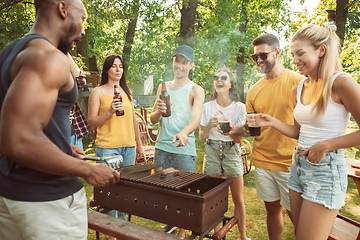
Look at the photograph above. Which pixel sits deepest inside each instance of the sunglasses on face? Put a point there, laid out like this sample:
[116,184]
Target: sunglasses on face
[263,56]
[223,78]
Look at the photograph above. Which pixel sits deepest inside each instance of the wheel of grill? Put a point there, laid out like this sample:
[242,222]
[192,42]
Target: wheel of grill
[246,155]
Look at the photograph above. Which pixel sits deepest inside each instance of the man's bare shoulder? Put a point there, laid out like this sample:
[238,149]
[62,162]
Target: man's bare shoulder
[42,59]
[198,90]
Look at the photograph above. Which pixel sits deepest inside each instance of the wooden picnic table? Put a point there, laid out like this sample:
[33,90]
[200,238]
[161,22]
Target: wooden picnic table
[351,173]
[345,228]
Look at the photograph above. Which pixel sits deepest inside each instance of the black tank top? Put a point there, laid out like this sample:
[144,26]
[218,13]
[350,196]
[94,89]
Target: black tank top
[18,182]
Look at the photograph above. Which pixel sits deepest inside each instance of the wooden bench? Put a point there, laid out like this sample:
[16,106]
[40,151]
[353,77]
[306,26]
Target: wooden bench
[122,229]
[344,229]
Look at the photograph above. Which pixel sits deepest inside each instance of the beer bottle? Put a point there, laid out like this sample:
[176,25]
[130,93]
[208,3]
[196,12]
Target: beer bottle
[165,96]
[117,95]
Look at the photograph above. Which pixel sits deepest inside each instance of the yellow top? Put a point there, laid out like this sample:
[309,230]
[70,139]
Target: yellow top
[273,150]
[117,131]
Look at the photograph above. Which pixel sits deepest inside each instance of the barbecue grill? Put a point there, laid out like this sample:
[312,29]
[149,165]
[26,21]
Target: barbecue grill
[192,201]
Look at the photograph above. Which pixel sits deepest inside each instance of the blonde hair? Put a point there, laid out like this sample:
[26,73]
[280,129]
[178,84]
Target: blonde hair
[329,62]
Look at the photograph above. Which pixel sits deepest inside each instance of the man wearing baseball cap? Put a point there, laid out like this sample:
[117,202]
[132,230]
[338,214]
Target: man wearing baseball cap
[175,145]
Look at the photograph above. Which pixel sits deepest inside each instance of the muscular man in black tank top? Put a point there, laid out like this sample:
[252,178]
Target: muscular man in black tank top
[37,165]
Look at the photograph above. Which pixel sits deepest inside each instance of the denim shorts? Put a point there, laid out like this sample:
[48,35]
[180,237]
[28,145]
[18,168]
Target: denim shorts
[323,183]
[175,160]
[128,154]
[74,140]
[222,158]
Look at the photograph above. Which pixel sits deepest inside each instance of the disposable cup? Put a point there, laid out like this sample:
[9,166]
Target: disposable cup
[225,126]
[350,154]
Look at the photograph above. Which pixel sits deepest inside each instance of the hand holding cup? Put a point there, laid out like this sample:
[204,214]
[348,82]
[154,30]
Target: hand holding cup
[224,123]
[254,128]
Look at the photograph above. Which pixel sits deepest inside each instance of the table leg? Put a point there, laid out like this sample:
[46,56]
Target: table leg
[357,183]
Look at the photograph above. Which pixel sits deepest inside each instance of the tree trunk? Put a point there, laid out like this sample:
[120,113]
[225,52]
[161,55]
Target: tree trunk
[130,35]
[187,25]
[187,22]
[341,17]
[240,60]
[82,49]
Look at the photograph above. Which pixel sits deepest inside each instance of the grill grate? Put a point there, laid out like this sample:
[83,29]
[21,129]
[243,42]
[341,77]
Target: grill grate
[177,182]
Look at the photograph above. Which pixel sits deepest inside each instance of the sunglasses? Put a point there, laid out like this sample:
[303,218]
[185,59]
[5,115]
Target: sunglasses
[223,78]
[263,56]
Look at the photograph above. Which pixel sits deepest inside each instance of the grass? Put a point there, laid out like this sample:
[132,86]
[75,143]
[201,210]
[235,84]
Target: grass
[255,208]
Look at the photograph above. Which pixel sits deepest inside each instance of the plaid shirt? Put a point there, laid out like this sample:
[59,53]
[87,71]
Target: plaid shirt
[79,122]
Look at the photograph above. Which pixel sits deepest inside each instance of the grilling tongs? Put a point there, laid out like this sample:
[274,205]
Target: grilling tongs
[112,161]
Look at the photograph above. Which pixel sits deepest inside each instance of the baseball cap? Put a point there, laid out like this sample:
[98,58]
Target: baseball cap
[185,51]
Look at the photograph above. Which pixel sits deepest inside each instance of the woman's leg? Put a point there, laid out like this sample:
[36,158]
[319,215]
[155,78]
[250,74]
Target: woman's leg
[315,221]
[237,192]
[295,204]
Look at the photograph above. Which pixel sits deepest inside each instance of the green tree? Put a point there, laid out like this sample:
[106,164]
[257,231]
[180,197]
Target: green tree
[350,34]
[17,17]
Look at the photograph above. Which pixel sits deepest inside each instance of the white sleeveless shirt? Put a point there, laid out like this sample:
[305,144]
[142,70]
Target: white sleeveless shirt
[330,125]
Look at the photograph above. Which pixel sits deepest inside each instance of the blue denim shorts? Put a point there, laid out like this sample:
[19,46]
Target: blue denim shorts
[175,160]
[74,140]
[128,154]
[324,183]
[222,158]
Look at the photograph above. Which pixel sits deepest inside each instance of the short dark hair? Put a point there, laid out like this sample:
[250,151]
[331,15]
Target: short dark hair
[267,38]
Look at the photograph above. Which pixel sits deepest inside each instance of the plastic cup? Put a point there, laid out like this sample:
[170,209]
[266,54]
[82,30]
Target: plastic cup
[254,129]
[350,154]
[225,126]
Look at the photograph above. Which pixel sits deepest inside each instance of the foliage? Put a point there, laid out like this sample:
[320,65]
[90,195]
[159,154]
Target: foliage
[218,38]
[158,29]
[217,34]
[351,46]
[17,16]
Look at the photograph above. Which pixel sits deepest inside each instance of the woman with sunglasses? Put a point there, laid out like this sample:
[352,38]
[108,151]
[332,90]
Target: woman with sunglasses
[222,157]
[324,101]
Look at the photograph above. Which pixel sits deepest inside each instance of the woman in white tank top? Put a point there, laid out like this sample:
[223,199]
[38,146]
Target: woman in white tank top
[324,101]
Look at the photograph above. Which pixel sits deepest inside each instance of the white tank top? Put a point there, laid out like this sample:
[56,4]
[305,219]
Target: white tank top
[330,125]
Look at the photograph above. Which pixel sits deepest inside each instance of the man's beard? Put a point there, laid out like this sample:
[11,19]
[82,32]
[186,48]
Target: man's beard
[268,68]
[181,74]
[66,45]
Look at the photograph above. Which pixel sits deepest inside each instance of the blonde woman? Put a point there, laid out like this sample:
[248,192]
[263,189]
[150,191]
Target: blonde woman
[324,101]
